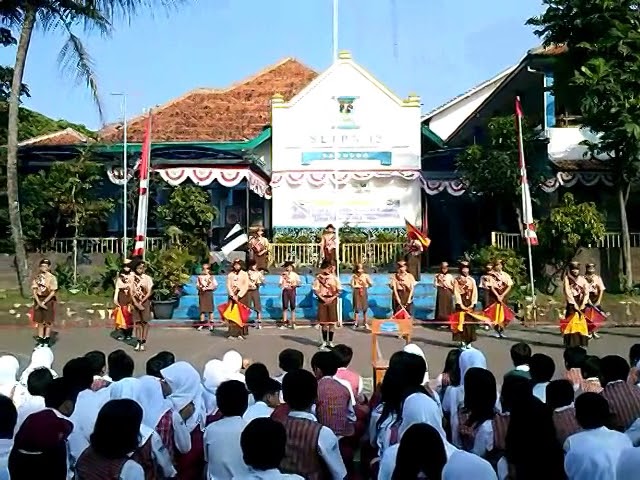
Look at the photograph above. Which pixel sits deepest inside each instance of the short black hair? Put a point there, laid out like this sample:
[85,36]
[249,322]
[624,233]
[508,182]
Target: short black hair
[345,352]
[290,359]
[154,366]
[38,381]
[614,367]
[232,398]
[591,367]
[120,365]
[520,354]
[515,389]
[592,411]
[78,373]
[559,393]
[117,428]
[59,391]
[98,361]
[634,354]
[254,375]
[167,357]
[265,387]
[327,362]
[300,389]
[258,453]
[574,356]
[542,368]
[8,418]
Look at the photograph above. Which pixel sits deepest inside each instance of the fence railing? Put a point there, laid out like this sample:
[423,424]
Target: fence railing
[610,240]
[88,245]
[350,253]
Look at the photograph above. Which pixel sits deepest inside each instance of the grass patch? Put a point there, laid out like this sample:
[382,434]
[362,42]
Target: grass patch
[9,298]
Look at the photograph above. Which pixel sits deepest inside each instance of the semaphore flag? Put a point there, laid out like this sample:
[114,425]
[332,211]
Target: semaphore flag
[143,191]
[413,231]
[529,228]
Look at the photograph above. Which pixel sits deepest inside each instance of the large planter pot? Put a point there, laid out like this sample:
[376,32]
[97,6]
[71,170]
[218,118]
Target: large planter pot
[163,309]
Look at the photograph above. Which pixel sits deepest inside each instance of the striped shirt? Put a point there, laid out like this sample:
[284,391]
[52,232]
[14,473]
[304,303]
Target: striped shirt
[564,420]
[624,403]
[574,375]
[500,427]
[590,385]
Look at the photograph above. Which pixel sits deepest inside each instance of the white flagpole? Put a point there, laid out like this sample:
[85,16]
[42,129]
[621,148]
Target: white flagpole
[336,159]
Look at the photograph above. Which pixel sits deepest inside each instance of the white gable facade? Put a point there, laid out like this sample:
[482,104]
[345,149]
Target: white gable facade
[345,151]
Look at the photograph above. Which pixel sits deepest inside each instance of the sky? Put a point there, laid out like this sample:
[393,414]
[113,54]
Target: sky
[435,48]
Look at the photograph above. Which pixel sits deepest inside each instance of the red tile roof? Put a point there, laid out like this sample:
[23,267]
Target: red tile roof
[68,136]
[237,113]
[549,50]
[584,165]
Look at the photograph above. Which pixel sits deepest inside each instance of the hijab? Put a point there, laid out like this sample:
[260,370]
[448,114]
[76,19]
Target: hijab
[153,403]
[131,389]
[463,464]
[471,358]
[9,386]
[214,374]
[232,361]
[628,464]
[416,350]
[186,388]
[42,357]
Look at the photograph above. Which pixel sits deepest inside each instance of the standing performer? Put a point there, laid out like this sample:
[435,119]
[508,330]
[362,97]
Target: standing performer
[465,292]
[124,302]
[252,298]
[574,328]
[327,288]
[141,298]
[499,287]
[44,288]
[360,283]
[485,286]
[206,284]
[329,244]
[402,286]
[237,287]
[289,282]
[414,250]
[444,294]
[259,249]
[593,312]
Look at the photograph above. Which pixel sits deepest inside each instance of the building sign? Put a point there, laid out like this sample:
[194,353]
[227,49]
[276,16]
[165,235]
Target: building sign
[383,157]
[362,213]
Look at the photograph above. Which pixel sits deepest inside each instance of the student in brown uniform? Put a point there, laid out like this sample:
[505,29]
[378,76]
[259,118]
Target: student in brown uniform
[360,283]
[596,291]
[402,287]
[499,289]
[141,314]
[206,284]
[465,293]
[485,286]
[44,288]
[237,287]
[413,249]
[575,331]
[329,244]
[123,300]
[252,297]
[327,288]
[259,249]
[289,282]
[444,294]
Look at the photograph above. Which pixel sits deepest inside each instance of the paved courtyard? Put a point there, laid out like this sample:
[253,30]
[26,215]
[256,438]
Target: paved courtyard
[264,345]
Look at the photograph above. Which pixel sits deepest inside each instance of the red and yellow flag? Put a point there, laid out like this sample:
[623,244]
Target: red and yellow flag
[413,231]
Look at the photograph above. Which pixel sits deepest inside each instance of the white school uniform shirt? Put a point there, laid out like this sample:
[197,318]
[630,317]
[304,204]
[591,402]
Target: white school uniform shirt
[388,460]
[463,465]
[628,464]
[5,450]
[131,470]
[222,450]
[540,391]
[33,404]
[634,433]
[593,454]
[273,474]
[483,439]
[380,437]
[328,447]
[257,410]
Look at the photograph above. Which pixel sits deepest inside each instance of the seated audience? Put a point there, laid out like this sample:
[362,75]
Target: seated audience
[478,411]
[542,369]
[463,465]
[591,371]
[634,362]
[9,385]
[353,378]
[515,389]
[42,357]
[289,360]
[255,374]
[120,364]
[628,464]
[450,376]
[99,367]
[560,397]
[8,420]
[213,375]
[267,396]
[624,399]
[37,384]
[520,356]
[574,357]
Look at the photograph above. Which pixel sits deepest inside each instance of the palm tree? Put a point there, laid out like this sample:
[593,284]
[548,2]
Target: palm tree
[61,16]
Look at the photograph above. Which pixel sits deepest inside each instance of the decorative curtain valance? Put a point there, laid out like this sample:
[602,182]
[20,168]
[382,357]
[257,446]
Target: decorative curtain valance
[227,177]
[319,178]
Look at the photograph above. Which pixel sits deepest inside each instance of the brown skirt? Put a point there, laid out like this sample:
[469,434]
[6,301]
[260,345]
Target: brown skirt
[252,300]
[42,315]
[404,298]
[328,312]
[329,255]
[360,300]
[468,333]
[262,261]
[413,265]
[235,330]
[124,298]
[575,340]
[142,316]
[444,304]
[205,301]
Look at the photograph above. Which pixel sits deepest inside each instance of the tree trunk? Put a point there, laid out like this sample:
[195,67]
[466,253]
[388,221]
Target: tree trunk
[22,265]
[626,241]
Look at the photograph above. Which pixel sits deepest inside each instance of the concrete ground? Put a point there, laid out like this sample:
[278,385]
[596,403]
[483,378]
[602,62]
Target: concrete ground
[264,345]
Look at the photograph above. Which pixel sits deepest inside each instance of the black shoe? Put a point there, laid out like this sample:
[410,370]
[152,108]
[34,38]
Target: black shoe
[39,342]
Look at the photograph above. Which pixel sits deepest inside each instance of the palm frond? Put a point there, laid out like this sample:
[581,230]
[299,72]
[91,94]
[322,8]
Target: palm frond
[128,9]
[75,60]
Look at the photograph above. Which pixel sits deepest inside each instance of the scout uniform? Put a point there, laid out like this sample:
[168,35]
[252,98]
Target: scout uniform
[414,251]
[237,286]
[327,288]
[329,244]
[44,288]
[122,297]
[498,312]
[595,316]
[252,297]
[574,328]
[444,293]
[206,284]
[463,320]
[142,287]
[360,283]
[259,249]
[402,284]
[289,282]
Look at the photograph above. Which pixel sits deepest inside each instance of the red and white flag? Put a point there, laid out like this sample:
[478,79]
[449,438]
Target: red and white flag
[143,191]
[529,228]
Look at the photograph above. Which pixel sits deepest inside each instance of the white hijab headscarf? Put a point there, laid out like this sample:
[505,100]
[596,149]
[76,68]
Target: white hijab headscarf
[628,464]
[232,361]
[153,403]
[185,385]
[215,372]
[416,350]
[42,357]
[463,464]
[131,389]
[470,358]
[9,386]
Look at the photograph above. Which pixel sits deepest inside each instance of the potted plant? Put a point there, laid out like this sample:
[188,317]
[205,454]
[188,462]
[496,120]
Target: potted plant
[169,269]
